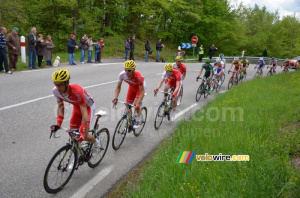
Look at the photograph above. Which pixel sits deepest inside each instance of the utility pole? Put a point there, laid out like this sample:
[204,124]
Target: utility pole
[290,56]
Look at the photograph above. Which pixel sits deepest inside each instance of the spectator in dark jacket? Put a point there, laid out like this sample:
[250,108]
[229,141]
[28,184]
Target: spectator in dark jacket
[49,48]
[131,57]
[212,51]
[159,47]
[83,47]
[41,49]
[3,57]
[148,49]
[31,45]
[127,48]
[13,44]
[72,45]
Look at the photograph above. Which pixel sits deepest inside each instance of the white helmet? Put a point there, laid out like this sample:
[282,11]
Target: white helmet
[236,58]
[261,59]
[286,60]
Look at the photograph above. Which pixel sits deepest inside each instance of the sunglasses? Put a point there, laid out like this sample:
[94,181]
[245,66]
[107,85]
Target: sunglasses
[170,71]
[178,61]
[128,70]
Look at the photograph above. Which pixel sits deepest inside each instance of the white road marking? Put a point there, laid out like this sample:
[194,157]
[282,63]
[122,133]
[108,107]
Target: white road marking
[100,64]
[90,185]
[41,98]
[185,110]
[223,91]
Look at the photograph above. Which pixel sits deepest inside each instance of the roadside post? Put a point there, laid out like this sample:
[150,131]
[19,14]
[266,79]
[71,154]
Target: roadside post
[23,51]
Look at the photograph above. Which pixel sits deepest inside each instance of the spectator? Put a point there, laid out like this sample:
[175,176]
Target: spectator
[159,47]
[131,57]
[72,45]
[13,44]
[83,47]
[201,53]
[90,44]
[212,51]
[148,49]
[3,58]
[97,51]
[127,48]
[101,45]
[40,49]
[31,45]
[49,48]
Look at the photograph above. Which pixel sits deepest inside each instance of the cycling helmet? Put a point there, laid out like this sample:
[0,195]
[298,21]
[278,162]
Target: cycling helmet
[207,60]
[221,55]
[169,67]
[261,59]
[273,58]
[236,58]
[286,60]
[179,58]
[244,57]
[61,75]
[130,64]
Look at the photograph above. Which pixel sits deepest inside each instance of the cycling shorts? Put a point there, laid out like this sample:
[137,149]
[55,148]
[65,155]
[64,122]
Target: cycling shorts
[76,117]
[133,93]
[172,84]
[236,68]
[219,70]
[260,66]
[207,74]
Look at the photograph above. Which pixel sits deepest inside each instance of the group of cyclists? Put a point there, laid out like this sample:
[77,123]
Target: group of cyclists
[173,76]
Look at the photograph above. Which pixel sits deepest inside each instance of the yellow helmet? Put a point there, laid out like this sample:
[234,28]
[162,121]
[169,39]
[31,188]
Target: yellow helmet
[61,75]
[179,58]
[130,64]
[169,67]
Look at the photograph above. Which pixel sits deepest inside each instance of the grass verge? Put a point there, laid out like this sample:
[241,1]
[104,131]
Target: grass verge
[259,118]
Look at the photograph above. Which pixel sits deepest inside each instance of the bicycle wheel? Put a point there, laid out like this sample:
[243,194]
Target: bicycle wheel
[230,82]
[244,77]
[205,90]
[269,73]
[98,154]
[60,169]
[139,130]
[218,87]
[180,97]
[199,92]
[223,78]
[235,80]
[159,116]
[120,133]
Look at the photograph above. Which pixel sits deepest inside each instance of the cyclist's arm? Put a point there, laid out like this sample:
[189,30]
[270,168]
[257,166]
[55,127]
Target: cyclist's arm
[118,89]
[142,94]
[60,108]
[200,72]
[84,113]
[184,74]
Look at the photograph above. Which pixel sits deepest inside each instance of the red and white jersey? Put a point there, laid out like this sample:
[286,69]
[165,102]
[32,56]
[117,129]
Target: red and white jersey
[176,75]
[77,96]
[181,68]
[136,81]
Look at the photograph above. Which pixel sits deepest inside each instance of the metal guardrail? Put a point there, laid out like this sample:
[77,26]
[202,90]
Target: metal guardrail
[229,59]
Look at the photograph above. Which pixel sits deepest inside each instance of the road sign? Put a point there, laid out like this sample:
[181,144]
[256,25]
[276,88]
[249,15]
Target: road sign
[186,45]
[194,39]
[194,45]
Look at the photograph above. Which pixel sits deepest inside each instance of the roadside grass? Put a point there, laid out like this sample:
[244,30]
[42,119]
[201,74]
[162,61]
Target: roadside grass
[259,118]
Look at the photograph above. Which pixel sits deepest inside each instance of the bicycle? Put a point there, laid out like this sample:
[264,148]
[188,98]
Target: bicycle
[69,157]
[243,76]
[259,73]
[223,78]
[270,72]
[233,79]
[216,83]
[164,109]
[125,124]
[202,89]
[179,98]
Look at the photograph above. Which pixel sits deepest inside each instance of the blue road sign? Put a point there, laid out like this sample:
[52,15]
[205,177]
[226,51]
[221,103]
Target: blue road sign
[186,45]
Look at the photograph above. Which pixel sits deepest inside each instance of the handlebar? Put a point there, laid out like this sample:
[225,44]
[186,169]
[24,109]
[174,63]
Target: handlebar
[169,93]
[125,103]
[58,136]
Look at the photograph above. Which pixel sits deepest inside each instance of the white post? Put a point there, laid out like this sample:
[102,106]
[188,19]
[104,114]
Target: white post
[23,51]
[179,50]
[243,53]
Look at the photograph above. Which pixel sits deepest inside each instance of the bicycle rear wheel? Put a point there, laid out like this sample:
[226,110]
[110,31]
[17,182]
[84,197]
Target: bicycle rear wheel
[139,130]
[159,116]
[218,87]
[205,90]
[269,73]
[199,92]
[60,169]
[223,78]
[120,133]
[98,154]
[230,82]
[244,77]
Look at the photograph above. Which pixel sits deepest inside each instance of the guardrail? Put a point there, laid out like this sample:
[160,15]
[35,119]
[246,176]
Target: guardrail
[251,59]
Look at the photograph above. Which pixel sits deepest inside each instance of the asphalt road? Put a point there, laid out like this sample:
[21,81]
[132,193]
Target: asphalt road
[27,109]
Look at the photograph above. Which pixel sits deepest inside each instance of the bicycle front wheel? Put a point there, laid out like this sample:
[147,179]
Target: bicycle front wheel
[199,92]
[269,73]
[230,83]
[205,90]
[120,133]
[159,116]
[139,130]
[98,154]
[223,78]
[60,169]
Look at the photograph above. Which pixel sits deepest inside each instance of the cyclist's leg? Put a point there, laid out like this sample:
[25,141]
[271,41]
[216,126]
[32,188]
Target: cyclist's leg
[131,94]
[137,95]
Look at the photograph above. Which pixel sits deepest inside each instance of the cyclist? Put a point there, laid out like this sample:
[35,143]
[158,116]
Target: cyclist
[83,105]
[237,67]
[245,64]
[208,72]
[136,90]
[174,81]
[260,65]
[182,68]
[286,65]
[298,64]
[274,64]
[218,71]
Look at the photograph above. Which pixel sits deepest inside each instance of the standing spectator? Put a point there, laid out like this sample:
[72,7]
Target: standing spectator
[32,41]
[83,47]
[40,49]
[13,44]
[3,58]
[49,48]
[97,51]
[148,49]
[201,53]
[101,44]
[127,48]
[131,57]
[159,47]
[212,51]
[90,44]
[72,45]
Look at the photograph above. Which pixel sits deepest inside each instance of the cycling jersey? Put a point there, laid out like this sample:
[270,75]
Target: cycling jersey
[244,62]
[273,62]
[135,82]
[220,67]
[208,70]
[236,65]
[224,61]
[260,65]
[182,68]
[173,79]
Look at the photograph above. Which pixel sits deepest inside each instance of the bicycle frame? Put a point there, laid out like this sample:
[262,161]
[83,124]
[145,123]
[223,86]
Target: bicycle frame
[127,113]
